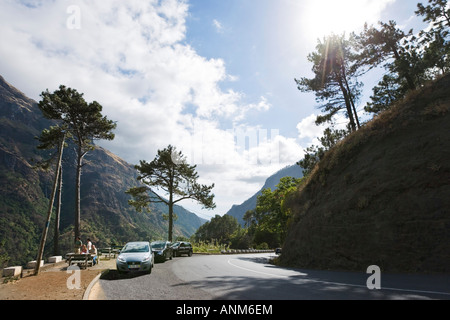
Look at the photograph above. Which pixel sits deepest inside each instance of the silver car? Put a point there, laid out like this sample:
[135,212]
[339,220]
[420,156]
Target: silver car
[135,256]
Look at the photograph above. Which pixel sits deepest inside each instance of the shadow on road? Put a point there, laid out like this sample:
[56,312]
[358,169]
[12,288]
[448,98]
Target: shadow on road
[292,288]
[319,285]
[115,275]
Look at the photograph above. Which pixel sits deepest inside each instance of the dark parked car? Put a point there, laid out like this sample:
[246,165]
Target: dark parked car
[182,247]
[162,250]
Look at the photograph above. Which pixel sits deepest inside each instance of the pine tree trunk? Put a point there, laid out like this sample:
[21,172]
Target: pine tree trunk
[50,209]
[352,101]
[171,190]
[77,194]
[348,105]
[58,215]
[170,221]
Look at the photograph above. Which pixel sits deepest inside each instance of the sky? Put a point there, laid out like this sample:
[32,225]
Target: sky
[213,78]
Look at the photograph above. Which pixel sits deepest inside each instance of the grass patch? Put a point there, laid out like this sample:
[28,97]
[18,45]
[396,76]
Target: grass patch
[211,248]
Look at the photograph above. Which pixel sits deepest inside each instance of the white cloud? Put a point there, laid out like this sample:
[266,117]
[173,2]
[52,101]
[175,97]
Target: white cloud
[307,128]
[309,133]
[130,56]
[218,26]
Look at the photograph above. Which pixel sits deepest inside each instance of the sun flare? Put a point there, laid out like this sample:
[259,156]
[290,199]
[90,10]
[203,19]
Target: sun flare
[322,17]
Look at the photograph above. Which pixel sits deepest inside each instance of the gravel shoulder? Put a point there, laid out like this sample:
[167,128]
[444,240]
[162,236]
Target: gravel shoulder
[51,283]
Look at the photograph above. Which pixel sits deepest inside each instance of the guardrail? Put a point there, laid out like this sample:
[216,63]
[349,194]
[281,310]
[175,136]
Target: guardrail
[243,251]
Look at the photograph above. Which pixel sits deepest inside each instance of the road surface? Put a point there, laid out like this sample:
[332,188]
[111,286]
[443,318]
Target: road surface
[251,277]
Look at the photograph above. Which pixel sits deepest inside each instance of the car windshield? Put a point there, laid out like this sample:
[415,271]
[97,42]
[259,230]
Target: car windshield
[175,244]
[158,245]
[135,247]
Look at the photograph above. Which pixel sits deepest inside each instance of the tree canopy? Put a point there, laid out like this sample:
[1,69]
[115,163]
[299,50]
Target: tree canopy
[219,230]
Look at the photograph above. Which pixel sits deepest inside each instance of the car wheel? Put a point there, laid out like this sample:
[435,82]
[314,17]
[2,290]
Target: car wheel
[150,269]
[190,254]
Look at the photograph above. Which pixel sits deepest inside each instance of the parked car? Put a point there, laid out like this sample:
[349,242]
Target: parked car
[136,256]
[162,250]
[182,247]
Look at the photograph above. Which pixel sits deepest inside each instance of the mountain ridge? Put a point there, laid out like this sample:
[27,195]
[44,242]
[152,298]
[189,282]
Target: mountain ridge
[238,211]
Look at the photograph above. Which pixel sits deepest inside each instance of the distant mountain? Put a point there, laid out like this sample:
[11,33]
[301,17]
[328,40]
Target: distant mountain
[24,192]
[238,211]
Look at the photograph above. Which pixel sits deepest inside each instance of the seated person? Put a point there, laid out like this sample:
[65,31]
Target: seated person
[84,249]
[93,252]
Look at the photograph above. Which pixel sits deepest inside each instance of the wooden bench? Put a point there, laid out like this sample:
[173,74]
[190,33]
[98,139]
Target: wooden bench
[82,260]
[105,252]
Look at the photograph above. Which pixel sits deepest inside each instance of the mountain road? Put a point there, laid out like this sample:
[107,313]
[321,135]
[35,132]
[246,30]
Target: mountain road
[252,277]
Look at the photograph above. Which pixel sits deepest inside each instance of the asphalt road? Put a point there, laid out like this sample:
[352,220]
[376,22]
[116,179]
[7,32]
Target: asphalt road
[251,277]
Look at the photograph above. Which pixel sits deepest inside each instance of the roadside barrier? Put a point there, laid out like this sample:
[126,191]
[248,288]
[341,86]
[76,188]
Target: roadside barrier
[244,251]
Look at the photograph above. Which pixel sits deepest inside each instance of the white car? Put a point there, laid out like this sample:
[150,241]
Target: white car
[136,256]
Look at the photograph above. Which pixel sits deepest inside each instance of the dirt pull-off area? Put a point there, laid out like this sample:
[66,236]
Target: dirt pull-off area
[52,284]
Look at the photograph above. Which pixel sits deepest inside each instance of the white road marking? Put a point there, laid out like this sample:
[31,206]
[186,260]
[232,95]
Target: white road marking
[267,274]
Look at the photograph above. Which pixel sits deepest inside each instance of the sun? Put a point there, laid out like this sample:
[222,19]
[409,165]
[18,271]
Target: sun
[323,17]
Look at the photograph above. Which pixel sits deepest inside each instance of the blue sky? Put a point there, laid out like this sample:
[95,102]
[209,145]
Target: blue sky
[203,75]
[265,46]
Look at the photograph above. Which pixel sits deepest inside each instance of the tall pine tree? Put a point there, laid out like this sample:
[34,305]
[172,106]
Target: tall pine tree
[85,123]
[169,175]
[335,79]
[436,38]
[390,47]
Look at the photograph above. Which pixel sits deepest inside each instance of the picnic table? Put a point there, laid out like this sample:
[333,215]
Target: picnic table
[109,251]
[82,260]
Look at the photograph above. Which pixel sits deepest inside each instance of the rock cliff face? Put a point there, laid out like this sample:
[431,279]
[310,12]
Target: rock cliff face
[24,191]
[381,196]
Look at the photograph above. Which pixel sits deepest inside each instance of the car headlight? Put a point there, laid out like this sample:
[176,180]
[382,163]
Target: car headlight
[121,259]
[146,258]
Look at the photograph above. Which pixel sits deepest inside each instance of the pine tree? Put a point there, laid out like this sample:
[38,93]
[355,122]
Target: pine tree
[385,46]
[334,79]
[396,51]
[170,173]
[435,40]
[50,139]
[437,13]
[85,123]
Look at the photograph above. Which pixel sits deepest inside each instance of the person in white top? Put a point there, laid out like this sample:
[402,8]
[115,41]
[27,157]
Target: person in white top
[89,244]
